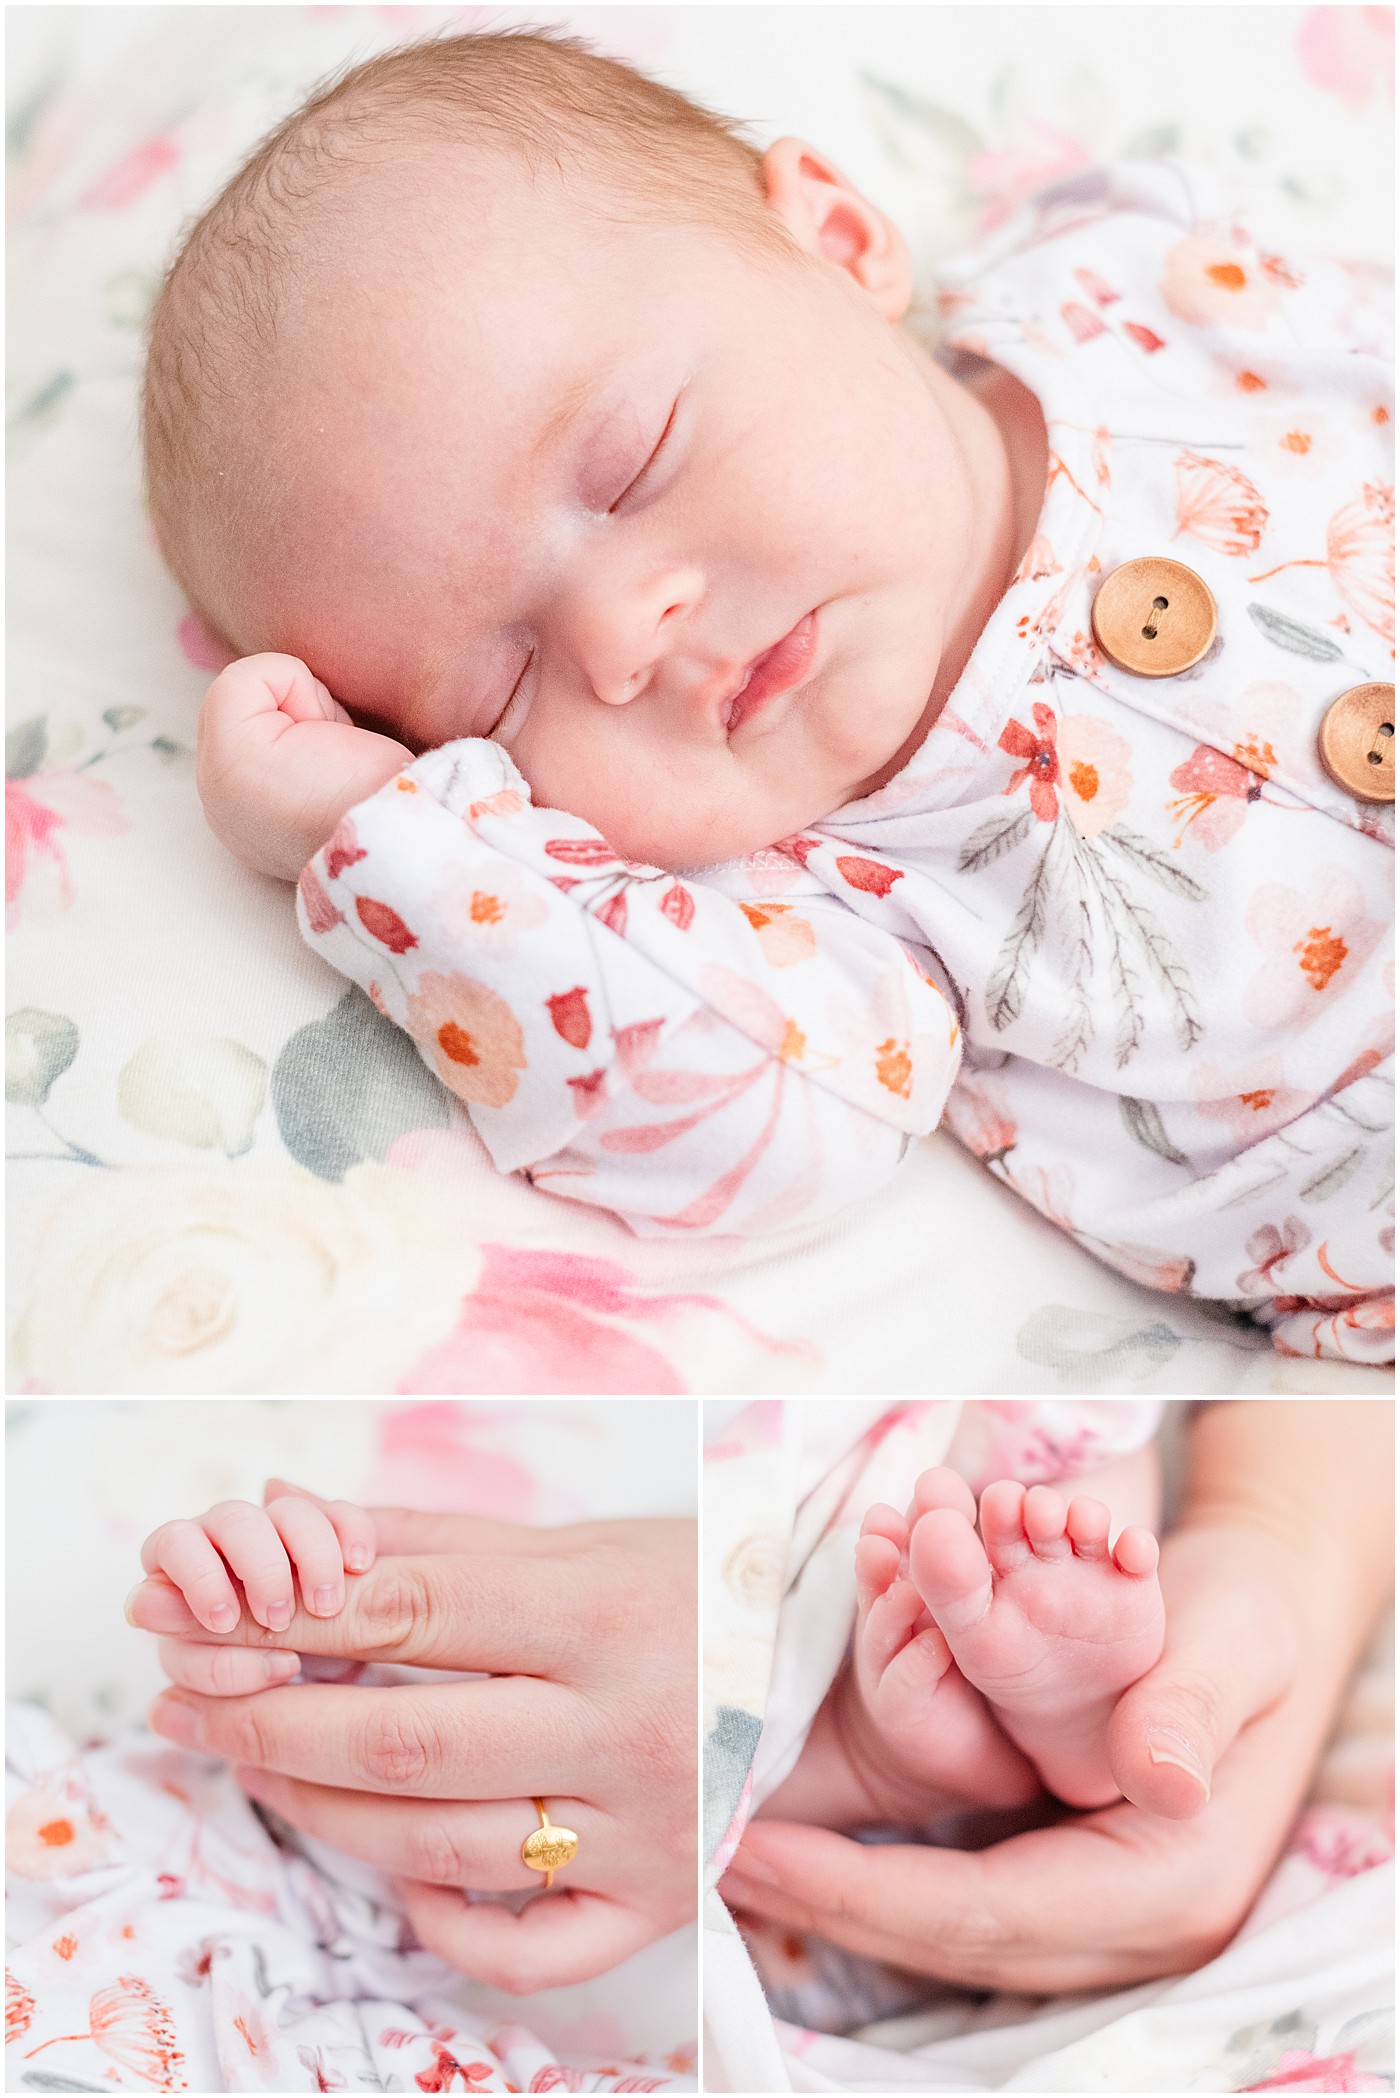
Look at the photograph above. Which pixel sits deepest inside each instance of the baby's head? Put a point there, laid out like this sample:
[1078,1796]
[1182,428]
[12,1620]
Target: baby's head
[519,396]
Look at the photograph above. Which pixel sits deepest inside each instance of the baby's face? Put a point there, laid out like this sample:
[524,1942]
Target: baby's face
[564,485]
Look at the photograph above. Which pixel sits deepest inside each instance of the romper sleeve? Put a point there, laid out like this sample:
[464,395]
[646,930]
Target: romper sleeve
[629,1038]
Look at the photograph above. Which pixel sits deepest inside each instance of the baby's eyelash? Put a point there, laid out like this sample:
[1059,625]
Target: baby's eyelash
[505,715]
[656,452]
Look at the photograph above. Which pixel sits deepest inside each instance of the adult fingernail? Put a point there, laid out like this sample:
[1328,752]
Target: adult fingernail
[1164,1745]
[178,1721]
[325,1602]
[748,1865]
[279,1616]
[281,1667]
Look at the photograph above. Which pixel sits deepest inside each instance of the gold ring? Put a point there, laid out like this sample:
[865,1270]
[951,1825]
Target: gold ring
[548,1848]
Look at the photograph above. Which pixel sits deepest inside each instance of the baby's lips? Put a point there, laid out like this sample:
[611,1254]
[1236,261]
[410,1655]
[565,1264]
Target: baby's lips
[155,1605]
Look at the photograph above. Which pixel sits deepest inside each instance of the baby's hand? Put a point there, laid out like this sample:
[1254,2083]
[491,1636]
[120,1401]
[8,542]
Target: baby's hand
[280,762]
[259,1547]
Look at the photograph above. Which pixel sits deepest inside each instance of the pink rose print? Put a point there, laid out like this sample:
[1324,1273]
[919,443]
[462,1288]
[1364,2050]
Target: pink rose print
[1349,51]
[131,176]
[1042,766]
[38,809]
[1208,283]
[1297,2070]
[1095,779]
[1313,946]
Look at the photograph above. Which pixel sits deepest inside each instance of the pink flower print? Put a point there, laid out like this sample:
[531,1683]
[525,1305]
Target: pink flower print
[982,1123]
[1042,766]
[1082,322]
[1215,792]
[37,810]
[1349,51]
[1095,779]
[19,2009]
[1251,1100]
[1218,505]
[1314,945]
[1271,1247]
[491,916]
[1361,556]
[131,176]
[1295,2069]
[130,2023]
[1037,561]
[473,1037]
[1102,294]
[1209,283]
[1002,176]
[50,1835]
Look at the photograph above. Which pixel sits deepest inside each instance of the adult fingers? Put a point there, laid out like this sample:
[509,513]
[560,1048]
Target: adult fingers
[448,1843]
[225,1671]
[1064,1908]
[563,1937]
[405,1533]
[487,1615]
[1227,1658]
[493,1740]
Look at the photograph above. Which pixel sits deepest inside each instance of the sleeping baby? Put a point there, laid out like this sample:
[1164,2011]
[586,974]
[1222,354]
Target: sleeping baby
[730,739]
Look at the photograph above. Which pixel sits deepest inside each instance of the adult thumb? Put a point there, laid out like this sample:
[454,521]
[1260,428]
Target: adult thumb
[1226,1659]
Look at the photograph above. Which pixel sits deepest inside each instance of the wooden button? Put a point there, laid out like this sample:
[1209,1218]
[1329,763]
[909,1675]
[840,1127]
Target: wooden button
[1356,742]
[1153,617]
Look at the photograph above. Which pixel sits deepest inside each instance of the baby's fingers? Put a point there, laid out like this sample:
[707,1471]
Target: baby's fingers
[359,1541]
[250,1543]
[184,1554]
[315,1550]
[225,1671]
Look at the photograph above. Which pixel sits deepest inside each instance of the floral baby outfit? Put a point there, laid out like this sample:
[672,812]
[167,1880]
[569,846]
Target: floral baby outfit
[1124,931]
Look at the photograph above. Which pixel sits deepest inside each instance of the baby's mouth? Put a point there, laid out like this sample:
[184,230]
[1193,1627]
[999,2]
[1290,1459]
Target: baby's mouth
[778,669]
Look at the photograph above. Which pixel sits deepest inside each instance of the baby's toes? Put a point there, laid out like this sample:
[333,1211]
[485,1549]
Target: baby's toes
[1136,1552]
[1044,1517]
[1001,1519]
[950,1569]
[1087,1526]
[942,1488]
[252,1547]
[888,1627]
[877,1563]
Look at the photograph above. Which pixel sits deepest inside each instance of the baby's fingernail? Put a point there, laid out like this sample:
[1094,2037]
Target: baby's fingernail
[281,1667]
[127,1610]
[223,1617]
[1166,1746]
[358,1558]
[325,1602]
[279,1616]
[178,1721]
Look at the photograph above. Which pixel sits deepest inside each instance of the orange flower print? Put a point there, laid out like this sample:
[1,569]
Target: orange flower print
[19,2008]
[1042,766]
[130,2023]
[50,1836]
[1218,505]
[1215,792]
[894,1067]
[1095,780]
[1314,943]
[1208,283]
[472,1036]
[784,937]
[1251,1100]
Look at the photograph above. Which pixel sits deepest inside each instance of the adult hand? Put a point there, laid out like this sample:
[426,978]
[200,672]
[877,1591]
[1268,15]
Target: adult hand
[586,1634]
[1122,1895]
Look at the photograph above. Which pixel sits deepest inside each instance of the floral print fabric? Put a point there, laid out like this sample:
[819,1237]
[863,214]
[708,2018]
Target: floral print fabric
[1127,930]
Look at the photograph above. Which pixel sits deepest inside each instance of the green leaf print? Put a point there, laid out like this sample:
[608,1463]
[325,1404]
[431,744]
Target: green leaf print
[1006,987]
[118,718]
[1326,1183]
[1291,634]
[1155,863]
[998,835]
[203,1090]
[1145,1126]
[39,1047]
[344,1087]
[26,747]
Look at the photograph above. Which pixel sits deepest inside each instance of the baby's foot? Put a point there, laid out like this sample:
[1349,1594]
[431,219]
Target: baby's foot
[919,1731]
[1040,1617]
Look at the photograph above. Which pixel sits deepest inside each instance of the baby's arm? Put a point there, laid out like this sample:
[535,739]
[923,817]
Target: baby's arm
[261,1549]
[635,1040]
[280,762]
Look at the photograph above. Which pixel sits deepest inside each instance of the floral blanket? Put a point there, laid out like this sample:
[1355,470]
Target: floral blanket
[1302,1998]
[229,1173]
